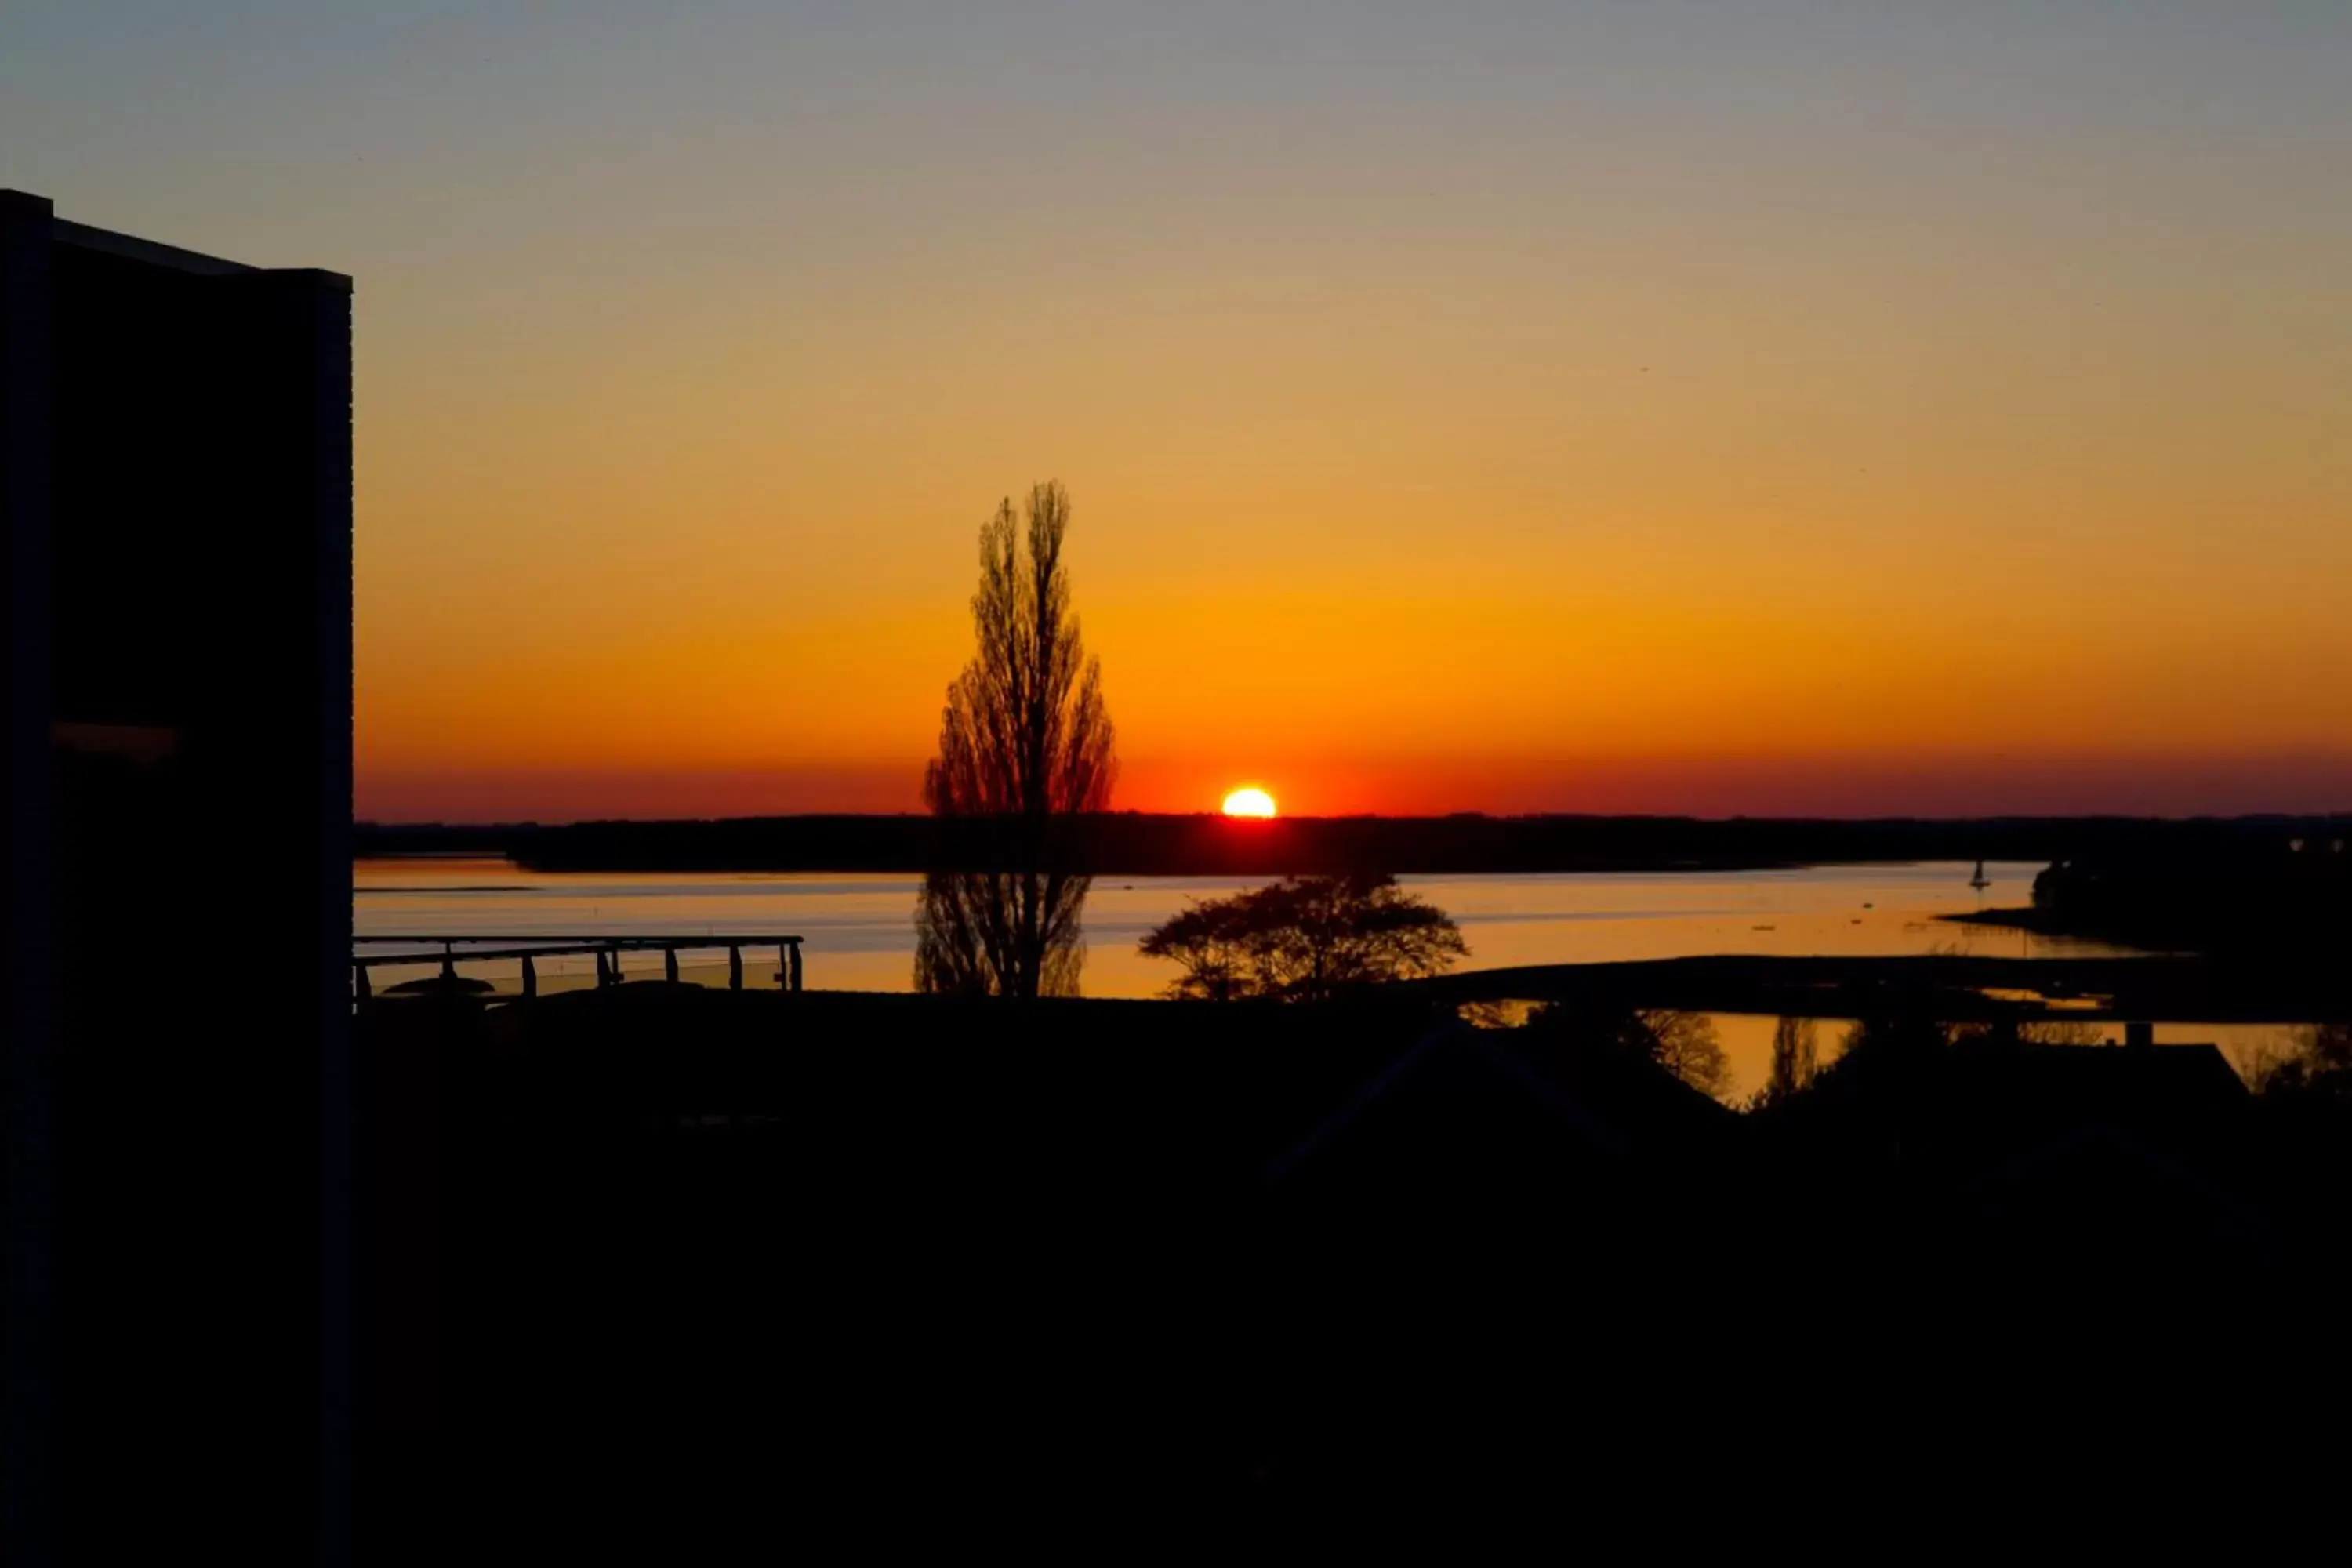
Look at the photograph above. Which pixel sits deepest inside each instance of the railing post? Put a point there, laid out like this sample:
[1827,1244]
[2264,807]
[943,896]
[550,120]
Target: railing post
[606,951]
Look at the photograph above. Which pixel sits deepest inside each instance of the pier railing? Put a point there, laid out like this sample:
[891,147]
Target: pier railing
[450,951]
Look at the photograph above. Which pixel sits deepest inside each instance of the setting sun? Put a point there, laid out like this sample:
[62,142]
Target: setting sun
[1252,801]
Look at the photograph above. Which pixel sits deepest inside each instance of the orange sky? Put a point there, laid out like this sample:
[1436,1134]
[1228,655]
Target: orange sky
[1876,408]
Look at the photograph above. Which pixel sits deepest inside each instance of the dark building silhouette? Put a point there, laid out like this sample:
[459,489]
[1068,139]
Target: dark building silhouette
[176,487]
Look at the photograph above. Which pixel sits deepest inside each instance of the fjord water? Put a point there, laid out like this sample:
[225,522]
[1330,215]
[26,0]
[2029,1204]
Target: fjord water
[859,929]
[860,933]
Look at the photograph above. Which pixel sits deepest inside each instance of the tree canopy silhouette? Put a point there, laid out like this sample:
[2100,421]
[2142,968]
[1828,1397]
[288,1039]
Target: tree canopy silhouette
[1305,938]
[1684,1044]
[1796,1057]
[2310,1063]
[1025,739]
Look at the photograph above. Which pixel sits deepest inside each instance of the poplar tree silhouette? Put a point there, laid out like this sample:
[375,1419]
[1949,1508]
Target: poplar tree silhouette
[1796,1057]
[1026,742]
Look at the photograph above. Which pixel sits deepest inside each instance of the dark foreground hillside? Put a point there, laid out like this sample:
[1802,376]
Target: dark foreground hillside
[659,1269]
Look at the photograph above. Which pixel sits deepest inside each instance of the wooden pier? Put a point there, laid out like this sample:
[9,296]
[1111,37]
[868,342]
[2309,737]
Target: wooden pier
[452,951]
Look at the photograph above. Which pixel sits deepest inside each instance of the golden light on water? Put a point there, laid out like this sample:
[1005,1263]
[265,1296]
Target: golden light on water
[1250,802]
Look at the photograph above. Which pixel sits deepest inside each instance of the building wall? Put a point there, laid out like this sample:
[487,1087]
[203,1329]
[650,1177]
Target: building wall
[27,1035]
[193,434]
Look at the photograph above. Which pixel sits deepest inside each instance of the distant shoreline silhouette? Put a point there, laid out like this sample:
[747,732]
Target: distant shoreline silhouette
[1201,844]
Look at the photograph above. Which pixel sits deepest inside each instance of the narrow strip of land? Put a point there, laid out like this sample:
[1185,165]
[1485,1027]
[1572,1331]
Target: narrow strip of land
[2176,989]
[1143,843]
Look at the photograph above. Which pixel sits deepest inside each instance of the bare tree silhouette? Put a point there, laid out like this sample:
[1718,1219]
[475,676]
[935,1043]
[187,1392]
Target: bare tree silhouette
[1685,1044]
[1025,741]
[2312,1062]
[2060,1032]
[1796,1057]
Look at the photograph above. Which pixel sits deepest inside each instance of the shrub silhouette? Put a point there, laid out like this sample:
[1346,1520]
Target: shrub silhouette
[1304,939]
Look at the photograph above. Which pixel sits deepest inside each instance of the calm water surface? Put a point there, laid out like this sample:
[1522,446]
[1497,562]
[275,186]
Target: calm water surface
[861,935]
[860,929]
